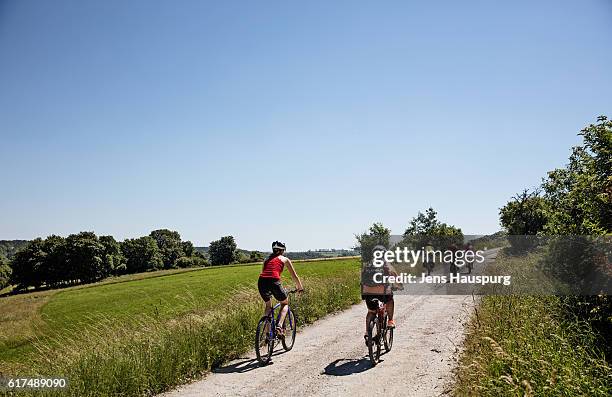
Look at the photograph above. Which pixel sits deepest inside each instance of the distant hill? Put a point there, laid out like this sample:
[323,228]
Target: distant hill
[8,248]
[499,239]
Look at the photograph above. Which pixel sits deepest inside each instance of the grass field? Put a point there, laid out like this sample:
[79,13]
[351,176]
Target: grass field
[141,336]
[527,346]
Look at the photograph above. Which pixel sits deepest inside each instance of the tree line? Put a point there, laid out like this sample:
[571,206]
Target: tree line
[424,229]
[84,257]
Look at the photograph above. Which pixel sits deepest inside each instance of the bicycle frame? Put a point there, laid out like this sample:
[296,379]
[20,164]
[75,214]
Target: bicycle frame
[273,321]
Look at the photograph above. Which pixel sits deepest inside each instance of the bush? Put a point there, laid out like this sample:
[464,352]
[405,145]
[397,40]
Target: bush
[190,261]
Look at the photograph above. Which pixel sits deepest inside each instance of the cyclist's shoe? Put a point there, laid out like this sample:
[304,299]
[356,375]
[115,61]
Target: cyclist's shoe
[367,340]
[391,324]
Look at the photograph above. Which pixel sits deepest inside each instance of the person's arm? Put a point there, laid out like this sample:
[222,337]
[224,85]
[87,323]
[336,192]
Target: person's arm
[294,276]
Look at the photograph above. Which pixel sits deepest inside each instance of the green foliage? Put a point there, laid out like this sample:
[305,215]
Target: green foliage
[495,240]
[85,257]
[170,246]
[222,251]
[141,254]
[56,267]
[256,256]
[190,261]
[29,265]
[8,248]
[575,207]
[525,215]
[426,229]
[113,257]
[5,273]
[377,235]
[188,248]
[580,195]
[241,257]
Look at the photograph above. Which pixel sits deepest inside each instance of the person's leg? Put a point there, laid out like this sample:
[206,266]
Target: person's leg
[371,304]
[265,291]
[268,307]
[369,316]
[284,308]
[390,308]
[281,296]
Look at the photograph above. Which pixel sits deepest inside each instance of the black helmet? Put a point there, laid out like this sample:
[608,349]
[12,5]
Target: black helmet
[278,245]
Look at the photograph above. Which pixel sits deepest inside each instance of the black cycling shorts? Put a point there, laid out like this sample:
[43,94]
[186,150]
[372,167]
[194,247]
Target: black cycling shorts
[371,300]
[271,287]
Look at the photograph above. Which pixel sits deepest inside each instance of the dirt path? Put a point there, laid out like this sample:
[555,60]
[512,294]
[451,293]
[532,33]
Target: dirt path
[330,357]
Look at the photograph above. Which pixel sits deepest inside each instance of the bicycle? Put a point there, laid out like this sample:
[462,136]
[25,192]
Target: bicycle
[429,265]
[379,333]
[266,334]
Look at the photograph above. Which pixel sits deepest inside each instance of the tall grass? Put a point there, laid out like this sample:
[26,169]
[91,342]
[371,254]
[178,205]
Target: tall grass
[528,346]
[153,354]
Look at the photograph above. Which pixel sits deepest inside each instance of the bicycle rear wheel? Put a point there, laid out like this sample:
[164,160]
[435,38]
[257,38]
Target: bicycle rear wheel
[264,342]
[388,333]
[374,341]
[290,327]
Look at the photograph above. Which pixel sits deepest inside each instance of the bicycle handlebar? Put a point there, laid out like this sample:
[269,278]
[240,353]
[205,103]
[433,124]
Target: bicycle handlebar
[293,291]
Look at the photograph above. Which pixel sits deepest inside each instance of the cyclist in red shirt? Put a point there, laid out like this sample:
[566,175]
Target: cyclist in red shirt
[269,283]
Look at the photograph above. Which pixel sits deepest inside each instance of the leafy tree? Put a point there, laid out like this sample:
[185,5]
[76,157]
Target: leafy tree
[5,273]
[427,229]
[188,248]
[28,265]
[581,193]
[222,251]
[376,235]
[256,256]
[55,265]
[524,217]
[169,244]
[85,257]
[8,248]
[113,257]
[141,255]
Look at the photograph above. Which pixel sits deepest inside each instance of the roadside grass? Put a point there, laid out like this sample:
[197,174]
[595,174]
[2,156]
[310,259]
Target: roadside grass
[143,337]
[527,346]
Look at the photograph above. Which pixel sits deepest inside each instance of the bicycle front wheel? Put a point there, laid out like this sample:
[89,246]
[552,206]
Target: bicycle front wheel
[374,341]
[264,341]
[290,327]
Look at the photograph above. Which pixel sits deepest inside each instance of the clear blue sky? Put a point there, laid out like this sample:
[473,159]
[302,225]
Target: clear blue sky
[298,121]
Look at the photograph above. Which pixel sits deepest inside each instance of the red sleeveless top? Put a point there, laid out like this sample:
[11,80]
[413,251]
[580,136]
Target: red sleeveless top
[273,268]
